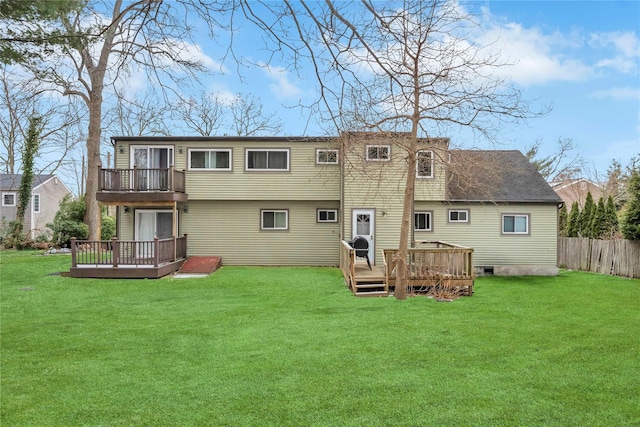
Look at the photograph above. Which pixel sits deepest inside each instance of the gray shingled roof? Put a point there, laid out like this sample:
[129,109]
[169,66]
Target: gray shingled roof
[11,181]
[496,176]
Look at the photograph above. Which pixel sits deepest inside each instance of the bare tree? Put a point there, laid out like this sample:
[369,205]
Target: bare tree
[563,163]
[203,115]
[407,67]
[138,116]
[59,120]
[100,42]
[249,120]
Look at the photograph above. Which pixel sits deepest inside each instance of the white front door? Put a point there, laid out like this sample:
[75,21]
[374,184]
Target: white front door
[149,225]
[363,224]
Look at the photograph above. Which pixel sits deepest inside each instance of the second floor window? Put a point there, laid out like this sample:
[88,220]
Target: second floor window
[380,153]
[424,164]
[276,159]
[210,159]
[326,157]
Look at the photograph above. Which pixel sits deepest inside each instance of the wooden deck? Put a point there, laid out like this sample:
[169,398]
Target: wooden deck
[437,267]
[127,259]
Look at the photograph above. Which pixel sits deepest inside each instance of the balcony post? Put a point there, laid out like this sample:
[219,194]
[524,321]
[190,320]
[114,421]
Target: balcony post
[74,261]
[115,251]
[156,252]
[171,179]
[135,179]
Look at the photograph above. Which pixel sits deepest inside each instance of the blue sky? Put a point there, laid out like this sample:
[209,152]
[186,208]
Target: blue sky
[580,57]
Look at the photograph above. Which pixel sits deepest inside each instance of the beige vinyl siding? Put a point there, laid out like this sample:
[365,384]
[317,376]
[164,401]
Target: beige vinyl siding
[381,186]
[231,229]
[483,233]
[303,180]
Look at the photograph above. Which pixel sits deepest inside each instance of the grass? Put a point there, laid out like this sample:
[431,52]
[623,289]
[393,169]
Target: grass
[291,346]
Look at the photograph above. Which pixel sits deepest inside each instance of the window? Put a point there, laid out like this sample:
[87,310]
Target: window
[36,203]
[274,220]
[327,215]
[422,221]
[8,199]
[459,215]
[326,157]
[276,159]
[424,164]
[380,153]
[515,224]
[210,159]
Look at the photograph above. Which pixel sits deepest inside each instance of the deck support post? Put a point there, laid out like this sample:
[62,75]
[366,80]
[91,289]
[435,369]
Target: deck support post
[74,260]
[115,251]
[156,252]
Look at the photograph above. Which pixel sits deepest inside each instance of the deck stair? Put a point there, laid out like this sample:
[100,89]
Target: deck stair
[370,287]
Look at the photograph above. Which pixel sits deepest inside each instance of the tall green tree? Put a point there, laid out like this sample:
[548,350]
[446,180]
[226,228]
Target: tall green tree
[573,229]
[586,216]
[630,226]
[611,219]
[29,151]
[598,229]
[32,22]
[563,221]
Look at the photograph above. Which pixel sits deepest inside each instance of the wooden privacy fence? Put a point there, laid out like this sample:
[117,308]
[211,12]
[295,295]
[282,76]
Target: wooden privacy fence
[613,257]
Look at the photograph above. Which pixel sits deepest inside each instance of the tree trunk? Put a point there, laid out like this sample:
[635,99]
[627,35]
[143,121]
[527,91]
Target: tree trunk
[92,215]
[405,229]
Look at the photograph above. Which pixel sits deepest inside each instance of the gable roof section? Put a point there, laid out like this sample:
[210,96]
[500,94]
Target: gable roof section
[11,181]
[496,176]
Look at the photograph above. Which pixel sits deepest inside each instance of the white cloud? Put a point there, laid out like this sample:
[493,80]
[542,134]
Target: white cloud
[282,86]
[618,93]
[625,47]
[536,57]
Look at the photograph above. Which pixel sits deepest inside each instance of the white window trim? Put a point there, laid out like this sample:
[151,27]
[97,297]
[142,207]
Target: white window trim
[320,150]
[274,228]
[369,159]
[429,214]
[33,203]
[457,221]
[249,150]
[528,218]
[335,213]
[209,150]
[418,164]
[14,194]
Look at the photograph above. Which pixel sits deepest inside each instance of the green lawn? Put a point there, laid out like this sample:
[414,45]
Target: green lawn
[291,346]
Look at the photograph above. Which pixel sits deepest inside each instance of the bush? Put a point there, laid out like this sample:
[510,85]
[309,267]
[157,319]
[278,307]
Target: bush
[108,227]
[68,221]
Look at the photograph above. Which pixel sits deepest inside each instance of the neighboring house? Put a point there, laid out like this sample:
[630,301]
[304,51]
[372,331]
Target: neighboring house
[46,193]
[290,201]
[576,190]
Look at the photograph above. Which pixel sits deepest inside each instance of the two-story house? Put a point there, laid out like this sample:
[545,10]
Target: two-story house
[292,201]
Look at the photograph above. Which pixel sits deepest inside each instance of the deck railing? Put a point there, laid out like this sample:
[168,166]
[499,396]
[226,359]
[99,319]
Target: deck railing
[141,179]
[433,259]
[348,263]
[128,252]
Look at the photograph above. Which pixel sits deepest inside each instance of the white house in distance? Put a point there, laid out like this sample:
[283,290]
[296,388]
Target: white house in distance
[46,193]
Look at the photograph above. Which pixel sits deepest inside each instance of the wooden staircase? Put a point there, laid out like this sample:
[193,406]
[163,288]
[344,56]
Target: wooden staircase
[370,288]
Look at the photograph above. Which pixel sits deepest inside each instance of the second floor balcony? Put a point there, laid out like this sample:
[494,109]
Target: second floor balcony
[141,185]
